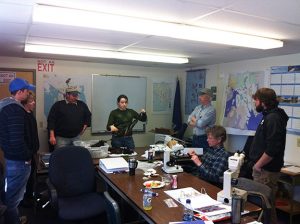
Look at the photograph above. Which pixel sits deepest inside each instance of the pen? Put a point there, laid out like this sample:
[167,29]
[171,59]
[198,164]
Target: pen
[117,172]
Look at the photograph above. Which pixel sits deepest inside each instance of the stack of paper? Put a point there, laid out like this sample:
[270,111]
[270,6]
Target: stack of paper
[110,165]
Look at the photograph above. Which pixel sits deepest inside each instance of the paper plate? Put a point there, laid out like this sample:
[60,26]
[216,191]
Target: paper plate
[151,172]
[154,183]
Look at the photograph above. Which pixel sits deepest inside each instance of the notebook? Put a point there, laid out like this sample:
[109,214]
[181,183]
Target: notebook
[110,165]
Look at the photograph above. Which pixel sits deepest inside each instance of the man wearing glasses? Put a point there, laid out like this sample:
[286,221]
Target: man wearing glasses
[68,119]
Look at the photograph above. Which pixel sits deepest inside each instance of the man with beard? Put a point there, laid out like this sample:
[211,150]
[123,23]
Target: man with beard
[267,149]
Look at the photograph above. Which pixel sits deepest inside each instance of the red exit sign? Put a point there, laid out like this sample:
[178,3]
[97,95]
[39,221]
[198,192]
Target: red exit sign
[45,65]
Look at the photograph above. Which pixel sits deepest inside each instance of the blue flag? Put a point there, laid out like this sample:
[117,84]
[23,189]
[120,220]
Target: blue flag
[176,120]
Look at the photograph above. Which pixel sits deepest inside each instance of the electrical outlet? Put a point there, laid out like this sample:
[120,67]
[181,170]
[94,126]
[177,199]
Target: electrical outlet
[298,142]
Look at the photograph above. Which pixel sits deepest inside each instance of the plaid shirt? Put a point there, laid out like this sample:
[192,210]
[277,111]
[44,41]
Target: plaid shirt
[214,163]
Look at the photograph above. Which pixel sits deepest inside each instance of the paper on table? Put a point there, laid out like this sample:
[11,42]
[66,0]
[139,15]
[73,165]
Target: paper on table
[201,203]
[214,210]
[198,200]
[110,165]
[292,169]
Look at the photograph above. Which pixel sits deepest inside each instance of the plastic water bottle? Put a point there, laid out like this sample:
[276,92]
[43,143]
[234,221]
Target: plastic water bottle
[149,191]
[147,199]
[188,213]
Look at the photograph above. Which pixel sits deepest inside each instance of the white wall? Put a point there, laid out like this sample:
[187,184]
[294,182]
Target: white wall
[216,74]
[72,68]
[215,77]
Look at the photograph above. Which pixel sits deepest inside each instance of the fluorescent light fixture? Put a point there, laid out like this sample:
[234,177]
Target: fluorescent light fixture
[36,48]
[98,20]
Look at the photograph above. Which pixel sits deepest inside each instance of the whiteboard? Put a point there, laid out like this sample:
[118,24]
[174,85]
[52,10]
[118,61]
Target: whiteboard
[105,91]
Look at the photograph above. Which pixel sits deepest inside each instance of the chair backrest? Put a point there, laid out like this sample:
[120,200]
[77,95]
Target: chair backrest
[71,171]
[258,194]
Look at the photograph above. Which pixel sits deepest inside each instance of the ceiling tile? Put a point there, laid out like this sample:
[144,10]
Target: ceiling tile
[15,13]
[83,34]
[240,23]
[278,10]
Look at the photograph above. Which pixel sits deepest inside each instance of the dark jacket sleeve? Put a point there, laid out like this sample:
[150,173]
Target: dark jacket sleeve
[87,115]
[110,121]
[140,116]
[13,139]
[274,131]
[52,116]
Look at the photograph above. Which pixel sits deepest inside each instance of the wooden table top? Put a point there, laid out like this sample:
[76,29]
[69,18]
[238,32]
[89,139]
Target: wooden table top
[128,187]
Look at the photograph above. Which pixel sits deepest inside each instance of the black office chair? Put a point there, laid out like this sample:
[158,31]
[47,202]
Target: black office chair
[258,194]
[72,187]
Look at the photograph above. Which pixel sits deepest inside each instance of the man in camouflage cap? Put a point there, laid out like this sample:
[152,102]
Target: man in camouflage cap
[68,119]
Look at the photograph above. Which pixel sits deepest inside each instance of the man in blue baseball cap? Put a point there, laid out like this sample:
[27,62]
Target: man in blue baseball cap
[15,134]
[19,84]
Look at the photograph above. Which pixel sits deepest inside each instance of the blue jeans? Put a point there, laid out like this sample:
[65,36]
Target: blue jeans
[62,141]
[200,141]
[126,141]
[17,174]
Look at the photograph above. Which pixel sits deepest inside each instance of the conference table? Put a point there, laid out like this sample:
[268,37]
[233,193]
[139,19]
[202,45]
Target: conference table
[128,188]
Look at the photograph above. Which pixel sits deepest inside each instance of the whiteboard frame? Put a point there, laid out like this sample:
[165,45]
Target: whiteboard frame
[140,127]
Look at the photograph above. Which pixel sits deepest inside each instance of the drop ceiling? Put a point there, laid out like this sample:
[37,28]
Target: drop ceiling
[268,18]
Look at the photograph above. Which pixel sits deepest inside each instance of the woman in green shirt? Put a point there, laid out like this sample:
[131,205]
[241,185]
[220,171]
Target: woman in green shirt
[121,122]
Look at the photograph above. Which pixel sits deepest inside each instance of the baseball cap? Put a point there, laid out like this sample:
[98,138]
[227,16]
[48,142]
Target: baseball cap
[72,89]
[205,91]
[19,83]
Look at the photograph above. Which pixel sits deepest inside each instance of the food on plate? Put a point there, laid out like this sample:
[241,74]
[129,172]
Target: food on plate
[154,184]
